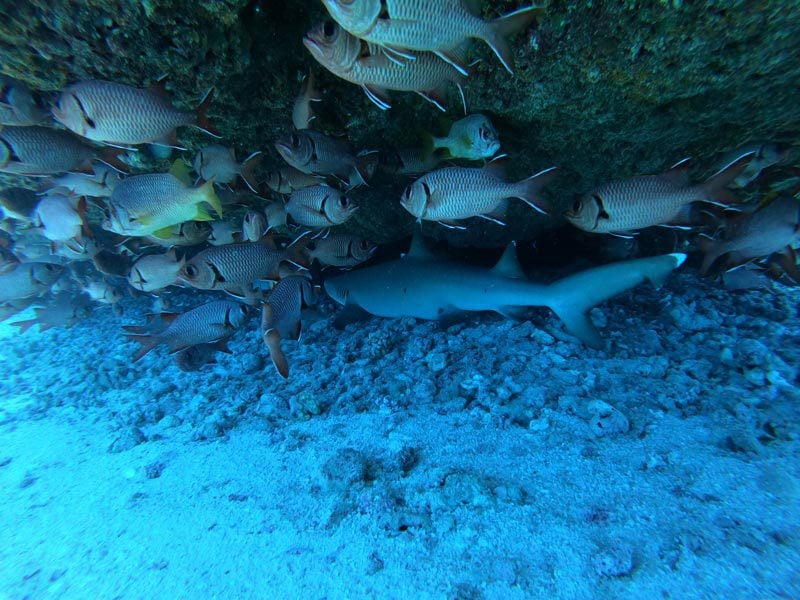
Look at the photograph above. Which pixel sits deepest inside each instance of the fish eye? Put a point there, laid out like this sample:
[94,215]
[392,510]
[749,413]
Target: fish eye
[191,271]
[343,201]
[295,140]
[329,28]
[364,244]
[576,206]
[243,309]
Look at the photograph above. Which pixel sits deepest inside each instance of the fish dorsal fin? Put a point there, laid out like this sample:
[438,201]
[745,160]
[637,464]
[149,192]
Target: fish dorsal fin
[497,166]
[418,250]
[678,173]
[179,171]
[473,6]
[508,265]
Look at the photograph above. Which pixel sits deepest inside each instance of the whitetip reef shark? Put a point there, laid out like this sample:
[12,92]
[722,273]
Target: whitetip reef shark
[423,286]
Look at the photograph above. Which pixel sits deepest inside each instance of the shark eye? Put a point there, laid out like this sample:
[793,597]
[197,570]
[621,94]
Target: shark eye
[329,29]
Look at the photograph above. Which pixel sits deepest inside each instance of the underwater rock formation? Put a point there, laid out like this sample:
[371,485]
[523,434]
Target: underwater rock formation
[604,90]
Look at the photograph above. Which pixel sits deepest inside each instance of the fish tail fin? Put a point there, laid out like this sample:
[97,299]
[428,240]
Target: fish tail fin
[25,325]
[246,170]
[715,187]
[148,342]
[207,194]
[501,29]
[571,298]
[273,341]
[364,169]
[528,190]
[202,122]
[296,251]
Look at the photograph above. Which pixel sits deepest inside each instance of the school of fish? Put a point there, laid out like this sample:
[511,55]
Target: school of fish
[271,234]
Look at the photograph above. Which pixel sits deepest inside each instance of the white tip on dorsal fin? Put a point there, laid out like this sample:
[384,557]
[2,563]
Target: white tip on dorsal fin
[418,250]
[508,265]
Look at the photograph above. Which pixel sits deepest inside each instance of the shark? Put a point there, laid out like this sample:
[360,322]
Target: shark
[423,286]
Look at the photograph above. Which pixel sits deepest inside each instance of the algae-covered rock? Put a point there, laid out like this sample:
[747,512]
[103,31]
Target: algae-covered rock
[602,89]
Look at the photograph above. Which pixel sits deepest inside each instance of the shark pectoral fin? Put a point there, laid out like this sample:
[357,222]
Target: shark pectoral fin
[350,313]
[515,313]
[451,316]
[578,323]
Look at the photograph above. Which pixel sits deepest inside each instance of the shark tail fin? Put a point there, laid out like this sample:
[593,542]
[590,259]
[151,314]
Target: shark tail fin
[572,297]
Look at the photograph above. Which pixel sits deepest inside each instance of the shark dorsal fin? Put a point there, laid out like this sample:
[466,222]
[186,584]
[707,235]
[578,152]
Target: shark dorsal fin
[508,265]
[418,250]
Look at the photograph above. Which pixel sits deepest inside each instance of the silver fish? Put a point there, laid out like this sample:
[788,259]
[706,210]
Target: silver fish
[626,205]
[205,324]
[102,291]
[275,212]
[763,156]
[377,74]
[145,204]
[280,317]
[99,184]
[320,206]
[110,112]
[18,105]
[218,164]
[473,138]
[62,311]
[190,233]
[302,112]
[770,229]
[154,272]
[224,233]
[341,250]
[316,153]
[61,216]
[438,27]
[254,225]
[113,264]
[41,151]
[234,268]
[420,286]
[454,193]
[28,279]
[408,161]
[288,179]
[195,358]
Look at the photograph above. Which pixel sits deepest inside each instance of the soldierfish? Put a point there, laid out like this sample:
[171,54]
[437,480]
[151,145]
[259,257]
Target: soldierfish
[302,112]
[288,179]
[41,151]
[377,74]
[473,138]
[18,105]
[205,324]
[626,205]
[770,229]
[454,193]
[28,279]
[61,216]
[234,268]
[194,358]
[438,27]
[152,203]
[218,164]
[254,225]
[99,184]
[280,317]
[341,250]
[320,206]
[154,272]
[63,310]
[315,153]
[420,286]
[408,161]
[110,112]
[190,233]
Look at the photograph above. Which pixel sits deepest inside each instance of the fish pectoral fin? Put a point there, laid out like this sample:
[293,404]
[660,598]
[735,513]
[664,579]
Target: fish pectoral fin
[626,235]
[163,234]
[497,220]
[452,225]
[452,60]
[379,96]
